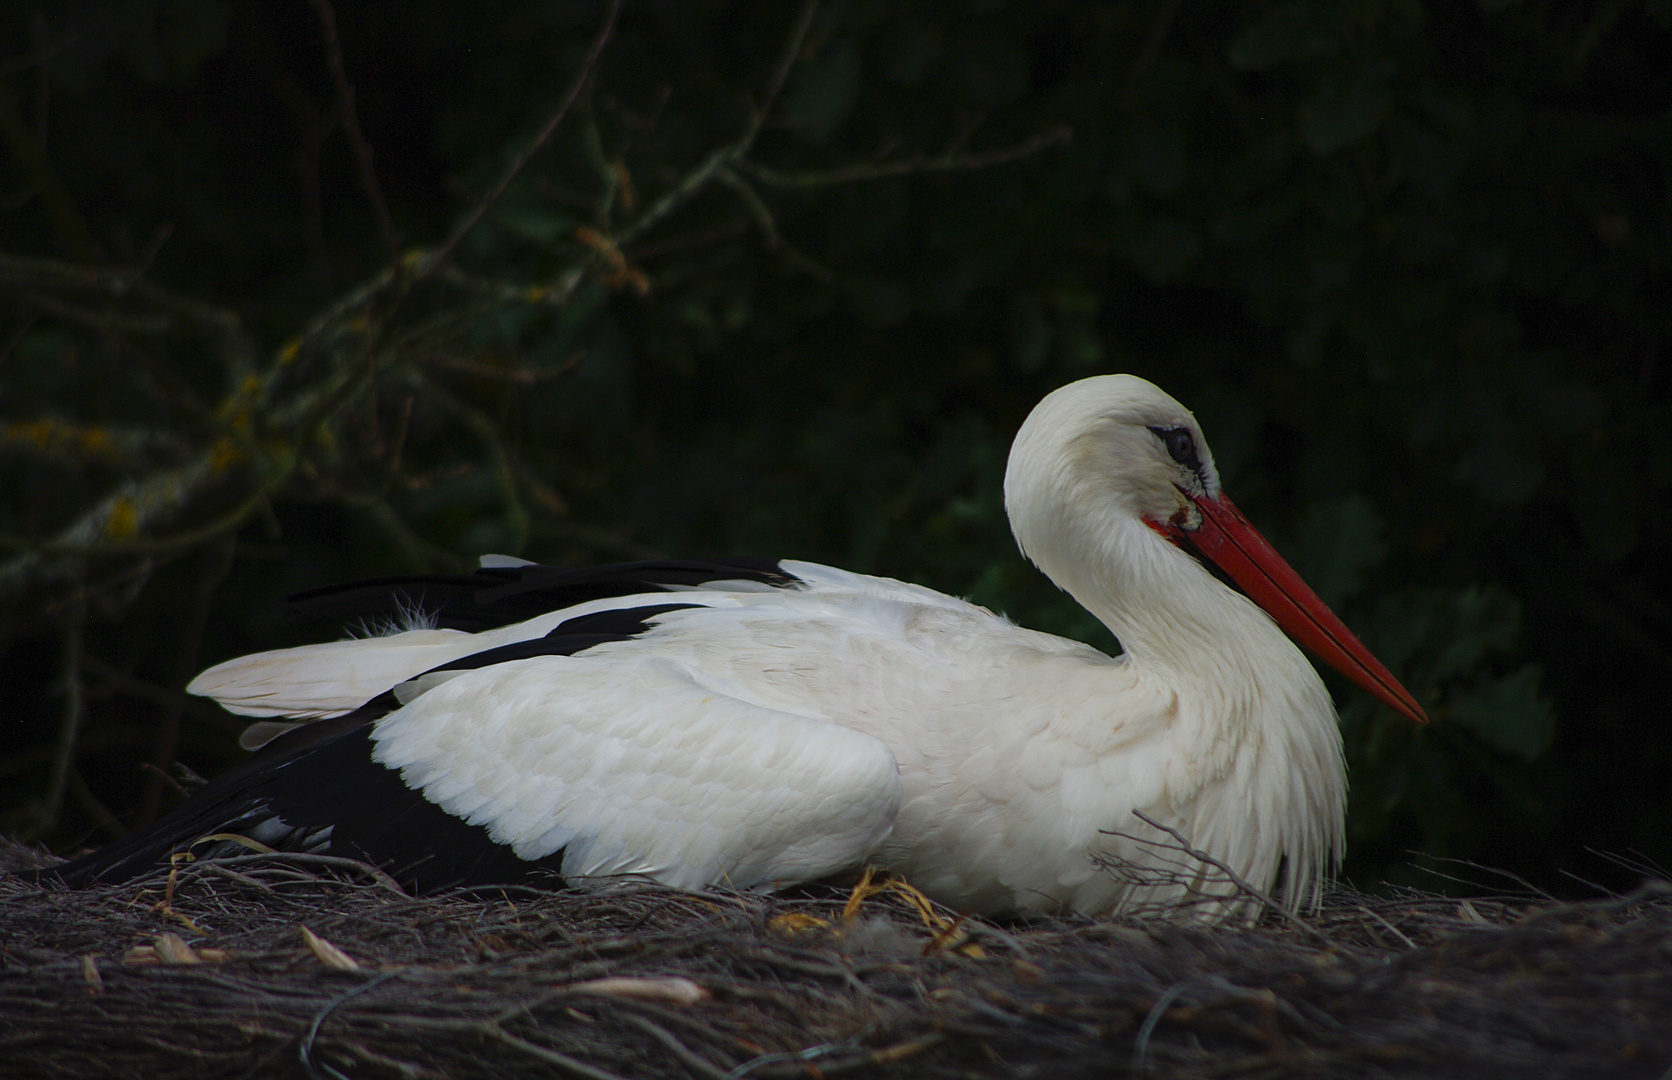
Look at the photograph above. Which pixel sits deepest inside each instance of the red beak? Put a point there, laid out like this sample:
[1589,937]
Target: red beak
[1237,548]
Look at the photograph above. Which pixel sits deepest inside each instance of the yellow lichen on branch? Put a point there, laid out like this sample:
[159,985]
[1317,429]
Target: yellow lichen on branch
[224,455]
[123,520]
[57,437]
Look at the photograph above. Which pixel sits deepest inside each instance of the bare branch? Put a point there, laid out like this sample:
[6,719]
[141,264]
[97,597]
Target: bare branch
[752,203]
[524,376]
[351,126]
[516,513]
[74,691]
[495,193]
[116,525]
[111,322]
[61,211]
[65,441]
[686,241]
[780,73]
[698,178]
[213,564]
[1201,856]
[121,283]
[947,162]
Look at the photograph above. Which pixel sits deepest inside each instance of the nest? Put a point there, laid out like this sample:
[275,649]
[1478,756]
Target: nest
[291,965]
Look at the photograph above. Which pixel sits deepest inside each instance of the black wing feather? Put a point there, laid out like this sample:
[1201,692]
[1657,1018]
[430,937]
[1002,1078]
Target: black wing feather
[321,776]
[293,799]
[499,596]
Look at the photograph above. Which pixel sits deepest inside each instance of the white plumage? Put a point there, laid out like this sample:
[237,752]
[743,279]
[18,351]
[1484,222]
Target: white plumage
[767,735]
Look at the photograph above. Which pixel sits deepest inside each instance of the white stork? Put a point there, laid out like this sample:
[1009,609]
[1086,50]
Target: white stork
[759,724]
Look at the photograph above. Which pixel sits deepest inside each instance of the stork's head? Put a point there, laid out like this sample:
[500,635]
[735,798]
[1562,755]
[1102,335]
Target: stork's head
[1114,440]
[1101,456]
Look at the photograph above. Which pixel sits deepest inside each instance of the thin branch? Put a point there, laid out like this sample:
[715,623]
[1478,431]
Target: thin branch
[593,143]
[115,680]
[125,513]
[351,126]
[487,202]
[113,281]
[125,282]
[1236,879]
[693,182]
[693,1060]
[58,439]
[686,241]
[698,178]
[15,572]
[63,760]
[947,162]
[572,1066]
[1392,929]
[61,211]
[112,322]
[516,513]
[214,563]
[752,203]
[525,376]
[780,74]
[554,293]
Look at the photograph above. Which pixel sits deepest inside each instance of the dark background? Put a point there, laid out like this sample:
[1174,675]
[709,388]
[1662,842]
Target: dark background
[1401,257]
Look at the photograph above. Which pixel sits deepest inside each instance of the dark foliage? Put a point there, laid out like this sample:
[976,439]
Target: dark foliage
[1401,257]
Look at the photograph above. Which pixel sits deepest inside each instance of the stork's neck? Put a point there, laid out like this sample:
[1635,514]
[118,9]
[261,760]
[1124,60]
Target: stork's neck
[1249,704]
[1173,617]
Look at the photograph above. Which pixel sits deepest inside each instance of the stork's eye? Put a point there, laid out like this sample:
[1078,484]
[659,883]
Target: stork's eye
[1181,446]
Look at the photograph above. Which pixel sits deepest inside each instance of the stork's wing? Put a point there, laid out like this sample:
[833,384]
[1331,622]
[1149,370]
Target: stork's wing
[567,766]
[452,616]
[522,749]
[641,766]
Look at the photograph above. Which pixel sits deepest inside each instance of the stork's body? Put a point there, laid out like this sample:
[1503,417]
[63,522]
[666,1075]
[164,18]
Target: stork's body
[766,726]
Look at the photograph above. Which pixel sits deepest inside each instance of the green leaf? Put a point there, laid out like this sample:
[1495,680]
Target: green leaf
[1339,543]
[1430,635]
[1508,713]
[1481,619]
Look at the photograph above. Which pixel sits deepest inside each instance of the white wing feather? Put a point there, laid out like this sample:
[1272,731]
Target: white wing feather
[640,766]
[312,682]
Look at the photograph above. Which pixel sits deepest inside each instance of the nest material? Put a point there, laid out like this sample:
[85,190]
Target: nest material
[212,975]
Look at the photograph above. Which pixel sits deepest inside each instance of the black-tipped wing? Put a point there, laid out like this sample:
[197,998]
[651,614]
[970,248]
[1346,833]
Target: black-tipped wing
[316,787]
[318,790]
